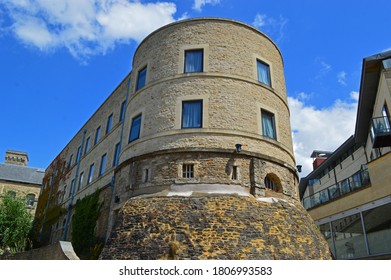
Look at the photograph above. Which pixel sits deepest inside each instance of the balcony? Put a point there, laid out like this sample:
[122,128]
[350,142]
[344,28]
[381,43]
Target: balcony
[381,132]
[357,181]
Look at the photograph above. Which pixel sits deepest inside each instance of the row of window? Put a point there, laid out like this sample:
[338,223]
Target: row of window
[194,63]
[192,118]
[30,198]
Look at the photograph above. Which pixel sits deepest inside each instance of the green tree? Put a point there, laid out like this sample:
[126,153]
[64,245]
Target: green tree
[15,223]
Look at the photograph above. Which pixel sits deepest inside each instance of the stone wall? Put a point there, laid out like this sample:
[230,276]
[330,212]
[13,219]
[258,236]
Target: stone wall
[214,227]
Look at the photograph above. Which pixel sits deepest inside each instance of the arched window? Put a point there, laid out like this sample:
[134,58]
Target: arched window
[272,182]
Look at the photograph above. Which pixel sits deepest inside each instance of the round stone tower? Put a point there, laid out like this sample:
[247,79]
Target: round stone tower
[207,168]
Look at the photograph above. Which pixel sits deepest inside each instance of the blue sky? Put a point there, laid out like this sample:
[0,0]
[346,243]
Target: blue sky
[59,60]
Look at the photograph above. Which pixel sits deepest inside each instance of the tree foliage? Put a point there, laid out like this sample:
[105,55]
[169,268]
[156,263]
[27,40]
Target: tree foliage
[84,240]
[15,223]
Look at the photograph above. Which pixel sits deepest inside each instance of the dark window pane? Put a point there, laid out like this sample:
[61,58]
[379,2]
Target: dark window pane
[141,79]
[194,60]
[135,129]
[192,114]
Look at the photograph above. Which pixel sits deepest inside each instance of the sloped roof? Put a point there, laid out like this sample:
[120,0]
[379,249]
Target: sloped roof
[22,174]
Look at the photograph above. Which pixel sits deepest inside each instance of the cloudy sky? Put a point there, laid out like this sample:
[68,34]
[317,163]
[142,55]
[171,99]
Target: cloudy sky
[59,60]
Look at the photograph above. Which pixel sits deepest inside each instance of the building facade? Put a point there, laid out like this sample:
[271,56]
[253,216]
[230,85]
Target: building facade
[20,180]
[203,111]
[349,193]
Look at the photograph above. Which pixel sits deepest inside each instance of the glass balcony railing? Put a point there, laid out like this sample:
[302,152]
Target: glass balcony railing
[356,181]
[381,132]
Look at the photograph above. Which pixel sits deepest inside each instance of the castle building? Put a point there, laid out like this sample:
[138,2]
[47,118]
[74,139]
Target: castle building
[192,153]
[20,180]
[348,193]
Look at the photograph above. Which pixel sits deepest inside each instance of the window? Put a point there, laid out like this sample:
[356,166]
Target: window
[116,154]
[87,145]
[72,187]
[141,78]
[30,199]
[135,129]
[273,183]
[70,161]
[194,61]
[188,170]
[109,123]
[146,175]
[234,175]
[122,114]
[78,154]
[102,165]
[263,71]
[80,181]
[97,135]
[386,118]
[268,125]
[91,173]
[192,114]
[63,194]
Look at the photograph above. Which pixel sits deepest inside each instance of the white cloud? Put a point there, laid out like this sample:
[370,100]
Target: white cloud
[342,78]
[320,129]
[198,4]
[85,27]
[275,27]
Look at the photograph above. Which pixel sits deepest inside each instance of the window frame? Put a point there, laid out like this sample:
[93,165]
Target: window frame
[140,83]
[117,150]
[195,50]
[109,123]
[97,135]
[201,101]
[267,113]
[139,116]
[102,166]
[268,70]
[91,173]
[188,170]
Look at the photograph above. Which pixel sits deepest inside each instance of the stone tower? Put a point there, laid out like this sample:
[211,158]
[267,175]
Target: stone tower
[207,169]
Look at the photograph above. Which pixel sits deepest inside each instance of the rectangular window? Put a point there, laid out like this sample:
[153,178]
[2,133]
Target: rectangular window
[109,123]
[263,71]
[91,173]
[63,194]
[87,145]
[188,171]
[72,188]
[116,154]
[122,114]
[97,135]
[80,181]
[268,125]
[234,175]
[78,154]
[135,129]
[192,114]
[141,78]
[70,161]
[102,165]
[146,175]
[194,61]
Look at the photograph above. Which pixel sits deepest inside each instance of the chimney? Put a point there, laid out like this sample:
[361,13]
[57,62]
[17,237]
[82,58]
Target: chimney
[319,157]
[16,157]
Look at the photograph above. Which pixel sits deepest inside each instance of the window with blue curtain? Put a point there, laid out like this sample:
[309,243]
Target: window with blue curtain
[194,61]
[192,114]
[141,78]
[268,125]
[135,129]
[263,73]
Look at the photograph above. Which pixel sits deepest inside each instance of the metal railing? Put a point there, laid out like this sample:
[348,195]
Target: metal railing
[356,181]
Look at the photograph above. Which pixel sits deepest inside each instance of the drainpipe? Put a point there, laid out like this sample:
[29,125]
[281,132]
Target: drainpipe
[73,187]
[50,194]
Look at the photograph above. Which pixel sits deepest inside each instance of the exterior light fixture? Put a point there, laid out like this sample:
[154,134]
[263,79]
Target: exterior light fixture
[238,148]
[299,168]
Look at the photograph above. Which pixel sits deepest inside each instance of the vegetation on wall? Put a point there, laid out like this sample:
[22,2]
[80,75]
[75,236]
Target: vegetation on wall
[84,240]
[15,224]
[48,211]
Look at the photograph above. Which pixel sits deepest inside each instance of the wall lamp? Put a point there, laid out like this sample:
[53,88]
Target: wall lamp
[238,148]
[299,168]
